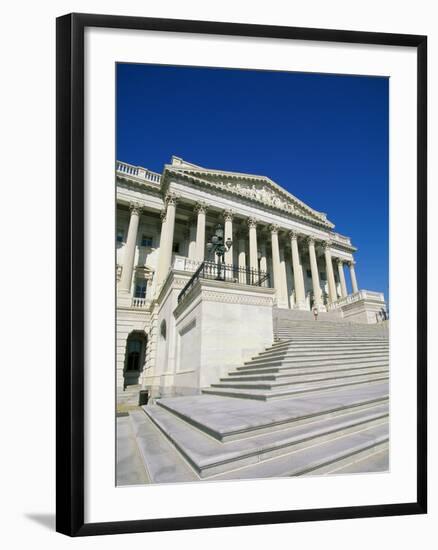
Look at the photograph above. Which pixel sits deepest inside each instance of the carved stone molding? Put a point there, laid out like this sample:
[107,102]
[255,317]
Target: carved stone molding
[228,215]
[136,208]
[171,198]
[340,261]
[252,222]
[212,296]
[201,207]
[293,235]
[327,245]
[274,228]
[310,240]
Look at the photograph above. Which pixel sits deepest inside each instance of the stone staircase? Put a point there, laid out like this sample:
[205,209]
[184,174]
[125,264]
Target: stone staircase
[315,402]
[310,356]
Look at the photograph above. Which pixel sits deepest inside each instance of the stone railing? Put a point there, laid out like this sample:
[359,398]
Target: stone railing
[139,303]
[182,263]
[138,172]
[361,295]
[337,238]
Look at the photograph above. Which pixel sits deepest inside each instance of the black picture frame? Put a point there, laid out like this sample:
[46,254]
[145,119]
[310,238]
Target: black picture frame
[70,273]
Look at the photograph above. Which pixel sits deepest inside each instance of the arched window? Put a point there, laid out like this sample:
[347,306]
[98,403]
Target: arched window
[163,329]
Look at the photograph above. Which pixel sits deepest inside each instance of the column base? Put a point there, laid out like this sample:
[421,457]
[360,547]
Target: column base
[283,304]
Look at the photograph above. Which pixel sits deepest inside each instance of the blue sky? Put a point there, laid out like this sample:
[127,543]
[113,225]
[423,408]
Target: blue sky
[322,137]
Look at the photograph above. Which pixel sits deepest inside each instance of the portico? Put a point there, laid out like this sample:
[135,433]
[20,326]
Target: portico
[164,222]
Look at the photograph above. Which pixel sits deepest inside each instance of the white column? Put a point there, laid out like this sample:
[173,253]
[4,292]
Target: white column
[263,257]
[284,293]
[166,241]
[192,241]
[253,259]
[228,234]
[276,267]
[290,284]
[129,252]
[342,277]
[201,208]
[242,257]
[317,295]
[330,274]
[353,277]
[300,294]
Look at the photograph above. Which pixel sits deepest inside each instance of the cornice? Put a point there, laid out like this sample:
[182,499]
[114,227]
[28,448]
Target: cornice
[137,183]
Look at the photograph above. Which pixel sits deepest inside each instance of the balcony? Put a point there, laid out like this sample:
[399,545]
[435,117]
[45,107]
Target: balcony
[140,303]
[361,295]
[337,238]
[138,172]
[227,274]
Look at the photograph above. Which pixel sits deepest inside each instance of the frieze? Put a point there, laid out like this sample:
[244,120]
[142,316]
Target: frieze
[261,191]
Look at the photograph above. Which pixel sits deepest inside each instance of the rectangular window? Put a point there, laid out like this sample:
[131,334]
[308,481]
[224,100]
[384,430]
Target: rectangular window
[146,240]
[140,288]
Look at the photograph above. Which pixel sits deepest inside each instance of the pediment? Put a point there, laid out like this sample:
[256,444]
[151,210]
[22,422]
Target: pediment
[257,188]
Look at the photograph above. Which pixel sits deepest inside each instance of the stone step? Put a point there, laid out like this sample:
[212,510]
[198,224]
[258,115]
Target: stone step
[228,419]
[309,334]
[247,382]
[319,349]
[287,367]
[376,460]
[289,391]
[210,457]
[303,382]
[276,373]
[332,329]
[163,463]
[357,445]
[315,360]
[304,346]
[313,336]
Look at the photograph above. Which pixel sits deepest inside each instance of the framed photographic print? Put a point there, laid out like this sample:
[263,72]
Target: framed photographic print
[241,267]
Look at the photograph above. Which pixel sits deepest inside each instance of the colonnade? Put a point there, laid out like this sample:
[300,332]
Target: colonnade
[257,253]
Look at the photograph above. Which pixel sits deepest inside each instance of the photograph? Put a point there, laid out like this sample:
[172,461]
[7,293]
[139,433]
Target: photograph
[252,274]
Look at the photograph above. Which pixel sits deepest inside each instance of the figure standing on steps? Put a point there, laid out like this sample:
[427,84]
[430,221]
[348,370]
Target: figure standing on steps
[315,313]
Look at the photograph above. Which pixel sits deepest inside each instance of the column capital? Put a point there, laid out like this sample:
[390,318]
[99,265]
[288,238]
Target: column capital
[340,261]
[274,228]
[311,240]
[136,208]
[252,222]
[163,214]
[327,244]
[351,263]
[171,198]
[293,235]
[201,207]
[228,215]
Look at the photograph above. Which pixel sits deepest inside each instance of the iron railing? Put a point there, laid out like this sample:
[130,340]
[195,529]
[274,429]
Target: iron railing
[227,273]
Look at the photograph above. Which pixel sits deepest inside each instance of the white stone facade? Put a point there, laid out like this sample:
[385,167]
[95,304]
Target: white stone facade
[164,222]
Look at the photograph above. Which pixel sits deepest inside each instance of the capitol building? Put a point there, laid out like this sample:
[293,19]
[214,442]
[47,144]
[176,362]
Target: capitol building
[189,311]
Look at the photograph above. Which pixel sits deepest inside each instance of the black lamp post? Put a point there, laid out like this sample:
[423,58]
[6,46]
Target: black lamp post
[219,247]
